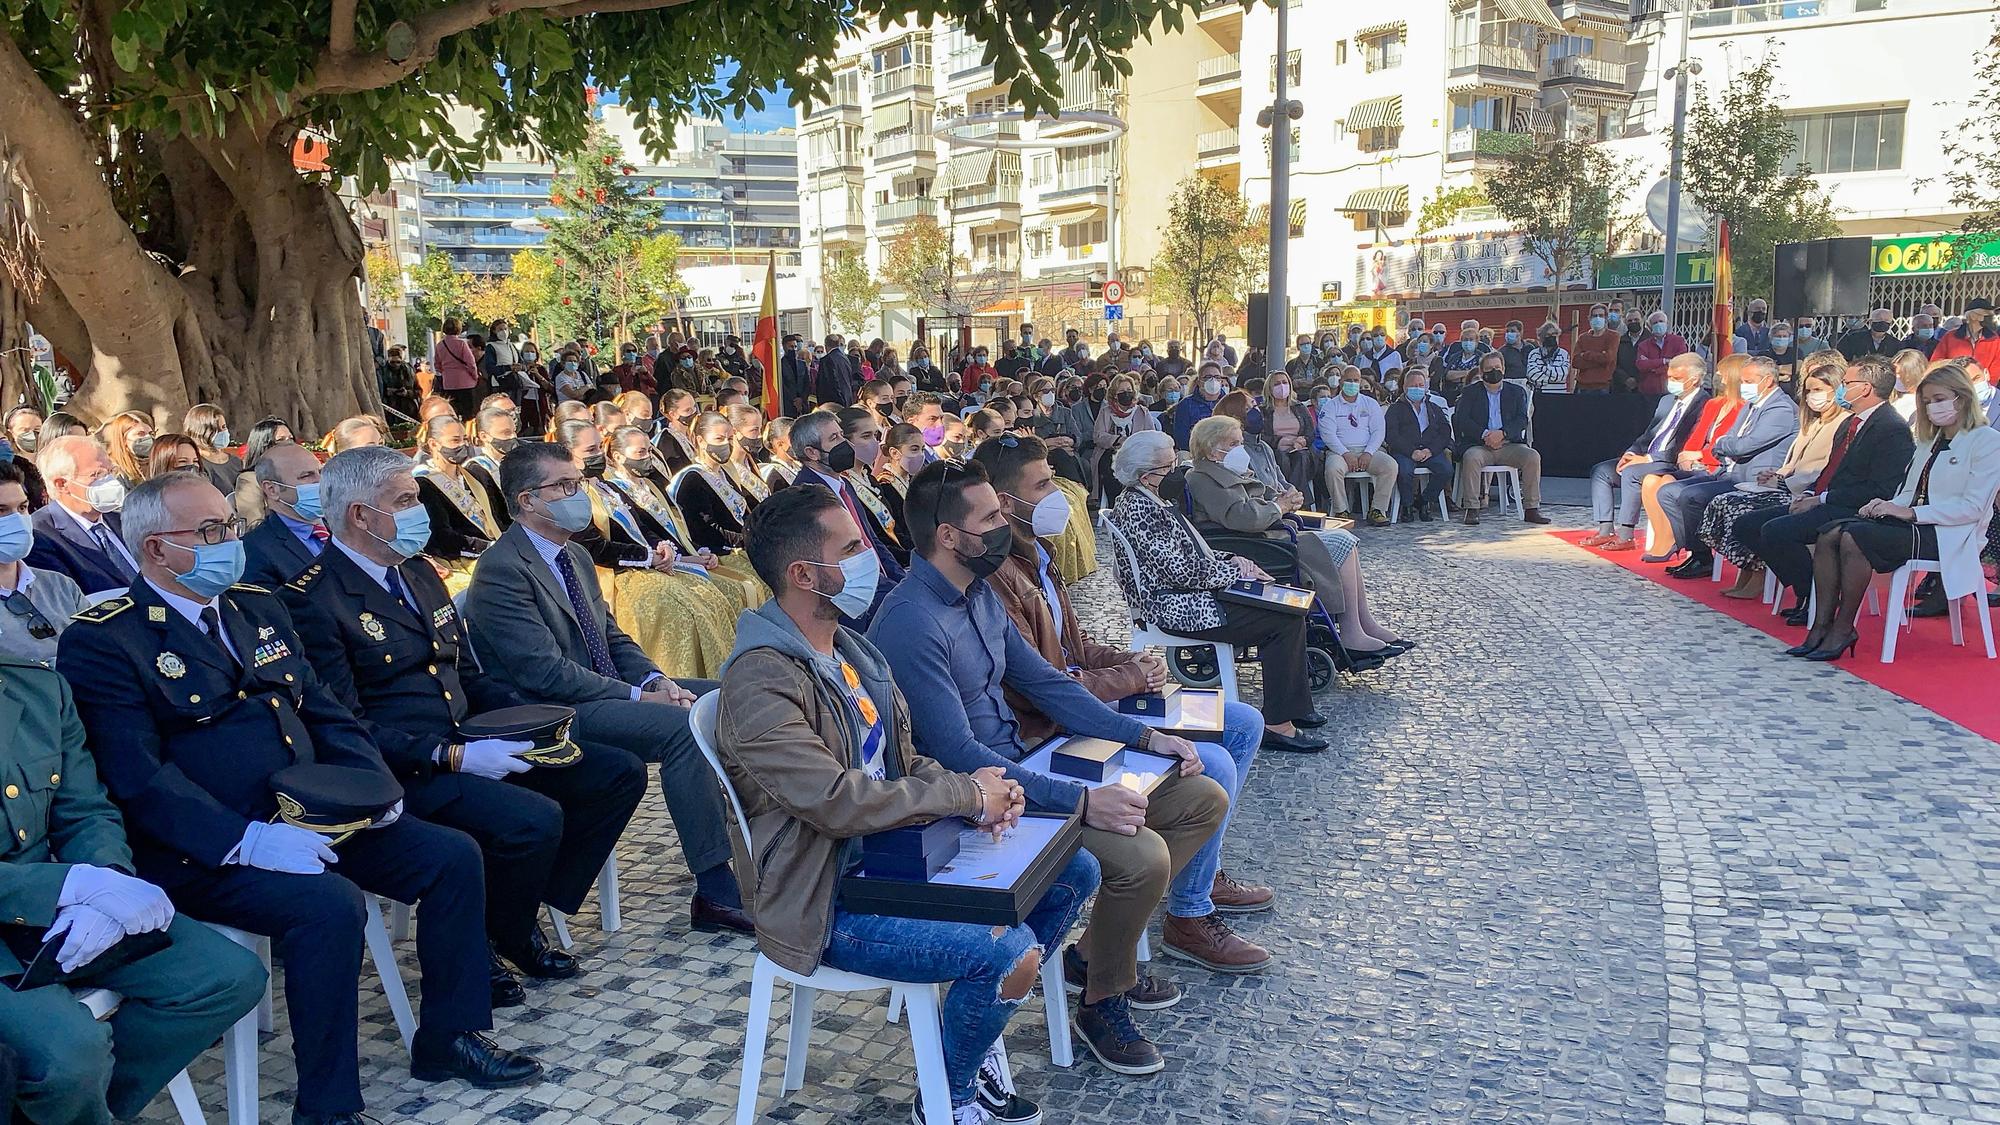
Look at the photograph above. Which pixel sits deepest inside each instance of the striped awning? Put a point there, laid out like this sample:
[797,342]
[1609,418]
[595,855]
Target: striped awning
[1530,11]
[1376,113]
[891,117]
[1296,218]
[1388,200]
[971,170]
[1375,29]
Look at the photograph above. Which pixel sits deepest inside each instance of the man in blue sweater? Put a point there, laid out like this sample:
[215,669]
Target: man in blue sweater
[952,648]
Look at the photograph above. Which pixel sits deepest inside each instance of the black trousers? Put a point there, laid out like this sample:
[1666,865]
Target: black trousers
[1781,538]
[543,834]
[314,922]
[1281,643]
[653,732]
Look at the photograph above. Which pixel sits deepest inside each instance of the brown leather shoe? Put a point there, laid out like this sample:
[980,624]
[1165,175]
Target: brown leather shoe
[1534,515]
[1232,897]
[714,918]
[1209,942]
[1472,517]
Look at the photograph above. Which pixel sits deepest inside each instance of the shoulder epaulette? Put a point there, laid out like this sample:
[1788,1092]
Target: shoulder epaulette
[103,611]
[303,583]
[247,588]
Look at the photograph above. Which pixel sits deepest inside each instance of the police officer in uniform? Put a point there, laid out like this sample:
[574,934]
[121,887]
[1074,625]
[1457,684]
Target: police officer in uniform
[65,870]
[194,691]
[388,645]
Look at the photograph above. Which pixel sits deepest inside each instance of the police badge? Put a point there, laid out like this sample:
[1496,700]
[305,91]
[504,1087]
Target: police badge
[373,627]
[170,666]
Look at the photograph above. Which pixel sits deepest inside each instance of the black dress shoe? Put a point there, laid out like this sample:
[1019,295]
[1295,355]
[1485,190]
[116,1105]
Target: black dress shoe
[303,1117]
[1797,614]
[714,918]
[1293,743]
[1828,653]
[1934,604]
[542,960]
[1311,720]
[471,1058]
[1694,566]
[506,987]
[1400,646]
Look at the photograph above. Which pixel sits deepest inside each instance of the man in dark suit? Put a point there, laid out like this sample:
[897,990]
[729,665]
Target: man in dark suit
[539,627]
[291,537]
[1418,435]
[795,385]
[78,533]
[1491,428]
[193,692]
[1653,451]
[1871,452]
[389,647]
[836,376]
[825,457]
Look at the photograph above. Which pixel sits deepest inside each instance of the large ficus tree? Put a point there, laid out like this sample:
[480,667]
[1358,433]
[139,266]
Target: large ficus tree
[153,226]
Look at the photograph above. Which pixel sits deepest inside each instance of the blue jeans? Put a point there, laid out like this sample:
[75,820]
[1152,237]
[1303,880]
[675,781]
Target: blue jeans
[973,959]
[1407,481]
[1228,764]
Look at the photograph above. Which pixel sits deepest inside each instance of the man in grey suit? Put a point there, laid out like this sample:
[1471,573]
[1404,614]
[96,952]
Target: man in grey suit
[538,624]
[1759,440]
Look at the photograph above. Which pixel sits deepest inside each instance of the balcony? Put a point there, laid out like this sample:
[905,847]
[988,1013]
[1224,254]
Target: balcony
[1222,20]
[1485,144]
[988,205]
[829,164]
[1083,190]
[1217,148]
[1491,64]
[846,106]
[1720,16]
[1586,71]
[902,81]
[1219,70]
[849,229]
[906,149]
[903,210]
[965,67]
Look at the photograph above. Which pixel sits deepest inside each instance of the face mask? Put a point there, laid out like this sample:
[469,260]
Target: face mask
[1756,316]
[859,575]
[28,441]
[1676,386]
[1596,324]
[593,467]
[641,465]
[1926,333]
[1127,398]
[529,357]
[1147,352]
[933,435]
[1549,342]
[17,537]
[1082,353]
[1818,400]
[1423,347]
[1324,402]
[994,547]
[1350,388]
[1469,344]
[1616,321]
[413,530]
[1415,394]
[220,439]
[1253,422]
[1173,396]
[1840,397]
[306,502]
[216,567]
[505,445]
[1211,387]
[1805,331]
[1281,390]
[1047,399]
[630,357]
[1513,337]
[1437,337]
[1237,460]
[1492,378]
[459,455]
[1942,413]
[1051,515]
[1659,329]
[142,447]
[570,366]
[840,458]
[720,452]
[1879,327]
[1370,347]
[1305,351]
[107,495]
[1780,343]
[1751,392]
[571,513]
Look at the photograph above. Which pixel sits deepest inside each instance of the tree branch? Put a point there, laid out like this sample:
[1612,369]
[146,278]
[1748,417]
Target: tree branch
[344,72]
[340,37]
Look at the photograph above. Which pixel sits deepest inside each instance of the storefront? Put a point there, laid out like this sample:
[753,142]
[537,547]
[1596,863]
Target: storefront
[1489,277]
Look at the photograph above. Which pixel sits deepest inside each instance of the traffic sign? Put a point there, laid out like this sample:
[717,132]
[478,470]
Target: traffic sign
[1114,292]
[1114,312]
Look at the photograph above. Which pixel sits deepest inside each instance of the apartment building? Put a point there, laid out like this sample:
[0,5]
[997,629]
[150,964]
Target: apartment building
[731,197]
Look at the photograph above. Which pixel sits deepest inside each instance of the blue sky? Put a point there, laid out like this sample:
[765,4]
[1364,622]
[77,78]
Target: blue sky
[776,114]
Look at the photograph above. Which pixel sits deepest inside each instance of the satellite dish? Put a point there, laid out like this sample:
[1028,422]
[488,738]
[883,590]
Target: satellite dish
[1693,224]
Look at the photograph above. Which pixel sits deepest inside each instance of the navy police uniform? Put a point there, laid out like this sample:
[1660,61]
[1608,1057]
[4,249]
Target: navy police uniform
[186,735]
[400,666]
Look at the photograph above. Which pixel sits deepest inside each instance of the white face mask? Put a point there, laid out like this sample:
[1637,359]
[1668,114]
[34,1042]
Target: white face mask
[1751,392]
[1051,515]
[859,575]
[1819,400]
[107,495]
[1675,387]
[1943,413]
[1237,460]
[1281,390]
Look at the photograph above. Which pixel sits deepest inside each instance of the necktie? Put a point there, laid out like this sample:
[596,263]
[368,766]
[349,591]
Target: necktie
[593,638]
[1839,450]
[112,554]
[394,581]
[319,532]
[212,621]
[854,509]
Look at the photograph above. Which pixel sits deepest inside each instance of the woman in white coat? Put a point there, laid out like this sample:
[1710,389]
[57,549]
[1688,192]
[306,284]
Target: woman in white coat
[1941,512]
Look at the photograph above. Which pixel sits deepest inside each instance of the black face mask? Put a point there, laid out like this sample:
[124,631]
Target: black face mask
[505,445]
[1756,316]
[1548,341]
[1878,326]
[593,467]
[641,467]
[719,452]
[839,459]
[1492,378]
[752,446]
[1127,398]
[995,544]
[458,456]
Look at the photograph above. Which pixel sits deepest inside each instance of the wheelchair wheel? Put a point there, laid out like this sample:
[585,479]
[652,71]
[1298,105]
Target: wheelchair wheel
[1320,669]
[1194,667]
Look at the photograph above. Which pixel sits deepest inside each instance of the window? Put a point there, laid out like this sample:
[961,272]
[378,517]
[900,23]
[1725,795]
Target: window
[1479,113]
[1567,46]
[1465,27]
[1340,52]
[1040,242]
[1378,220]
[1384,51]
[1867,140]
[1295,144]
[1377,140]
[1042,170]
[1294,70]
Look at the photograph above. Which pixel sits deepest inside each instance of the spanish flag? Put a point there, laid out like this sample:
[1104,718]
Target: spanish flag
[764,343]
[1724,319]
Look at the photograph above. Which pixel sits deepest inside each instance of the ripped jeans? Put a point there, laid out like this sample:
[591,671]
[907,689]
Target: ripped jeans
[974,959]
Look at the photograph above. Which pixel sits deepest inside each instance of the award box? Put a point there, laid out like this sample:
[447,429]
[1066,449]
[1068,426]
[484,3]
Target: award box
[1269,595]
[1151,704]
[915,851]
[986,884]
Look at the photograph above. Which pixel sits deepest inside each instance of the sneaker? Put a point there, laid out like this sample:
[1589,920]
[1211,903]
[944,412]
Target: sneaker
[1376,518]
[1209,942]
[1003,1104]
[1109,1032]
[971,1113]
[1151,994]
[1232,897]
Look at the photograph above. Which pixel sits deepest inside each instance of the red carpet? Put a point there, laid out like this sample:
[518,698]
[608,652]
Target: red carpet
[1930,671]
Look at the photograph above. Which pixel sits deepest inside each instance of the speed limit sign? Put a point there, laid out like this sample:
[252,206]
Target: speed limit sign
[1114,292]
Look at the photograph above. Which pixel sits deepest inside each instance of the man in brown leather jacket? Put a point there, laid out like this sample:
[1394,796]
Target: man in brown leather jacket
[816,741]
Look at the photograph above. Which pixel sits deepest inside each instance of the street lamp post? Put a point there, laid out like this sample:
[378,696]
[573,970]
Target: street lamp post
[1670,261]
[1277,117]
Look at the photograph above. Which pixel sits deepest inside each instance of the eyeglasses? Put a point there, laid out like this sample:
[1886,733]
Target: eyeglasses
[951,465]
[565,487]
[38,626]
[213,531]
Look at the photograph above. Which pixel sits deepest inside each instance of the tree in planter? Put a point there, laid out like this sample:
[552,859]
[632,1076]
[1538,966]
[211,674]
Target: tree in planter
[1562,196]
[1734,170]
[178,254]
[851,295]
[1210,255]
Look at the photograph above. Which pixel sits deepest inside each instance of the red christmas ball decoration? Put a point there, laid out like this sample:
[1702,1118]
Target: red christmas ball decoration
[607,162]
[565,301]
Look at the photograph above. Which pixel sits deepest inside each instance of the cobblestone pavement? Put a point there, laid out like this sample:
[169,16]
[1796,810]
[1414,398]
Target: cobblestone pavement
[1539,878]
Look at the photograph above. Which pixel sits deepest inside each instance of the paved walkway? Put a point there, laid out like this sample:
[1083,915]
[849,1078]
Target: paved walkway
[1539,879]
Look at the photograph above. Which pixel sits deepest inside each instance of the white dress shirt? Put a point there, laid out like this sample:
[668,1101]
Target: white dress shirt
[89,529]
[549,549]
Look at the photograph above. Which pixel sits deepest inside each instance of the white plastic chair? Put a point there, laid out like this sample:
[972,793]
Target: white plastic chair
[102,1004]
[1509,480]
[1899,614]
[1145,636]
[926,1035]
[607,902]
[1396,499]
[1365,499]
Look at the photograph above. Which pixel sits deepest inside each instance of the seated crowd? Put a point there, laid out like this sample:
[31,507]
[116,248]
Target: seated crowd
[879,595]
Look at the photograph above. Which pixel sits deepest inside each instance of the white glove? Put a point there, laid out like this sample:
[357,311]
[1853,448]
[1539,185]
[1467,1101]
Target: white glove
[284,847]
[91,931]
[494,758]
[137,905]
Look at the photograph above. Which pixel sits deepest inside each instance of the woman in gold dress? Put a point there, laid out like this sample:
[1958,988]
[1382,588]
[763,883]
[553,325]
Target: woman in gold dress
[782,468]
[465,518]
[636,472]
[707,492]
